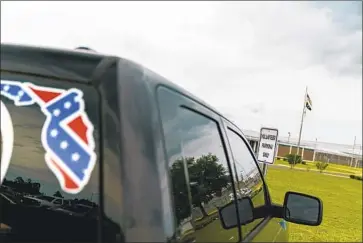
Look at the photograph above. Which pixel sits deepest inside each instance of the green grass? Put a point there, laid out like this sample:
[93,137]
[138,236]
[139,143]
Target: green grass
[331,168]
[342,200]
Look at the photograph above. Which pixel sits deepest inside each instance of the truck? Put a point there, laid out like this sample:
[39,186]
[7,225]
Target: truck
[80,122]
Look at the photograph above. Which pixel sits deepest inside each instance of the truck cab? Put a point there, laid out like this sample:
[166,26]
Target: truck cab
[154,162]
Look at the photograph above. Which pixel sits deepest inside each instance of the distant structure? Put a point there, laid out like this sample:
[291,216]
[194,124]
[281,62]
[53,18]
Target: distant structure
[313,151]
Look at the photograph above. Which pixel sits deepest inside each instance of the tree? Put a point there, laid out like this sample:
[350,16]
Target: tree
[19,180]
[210,178]
[321,165]
[23,186]
[180,190]
[206,177]
[293,159]
[57,194]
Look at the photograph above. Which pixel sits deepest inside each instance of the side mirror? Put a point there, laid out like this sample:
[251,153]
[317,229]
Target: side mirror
[302,209]
[228,214]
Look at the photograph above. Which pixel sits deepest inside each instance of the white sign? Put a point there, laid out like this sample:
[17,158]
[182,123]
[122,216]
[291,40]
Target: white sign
[267,145]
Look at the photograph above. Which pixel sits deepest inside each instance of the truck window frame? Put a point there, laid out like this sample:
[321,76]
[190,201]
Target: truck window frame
[192,105]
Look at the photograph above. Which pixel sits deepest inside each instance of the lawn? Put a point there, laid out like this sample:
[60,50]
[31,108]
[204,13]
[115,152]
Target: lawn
[342,198]
[331,167]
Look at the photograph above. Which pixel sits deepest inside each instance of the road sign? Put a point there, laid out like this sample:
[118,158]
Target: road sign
[267,145]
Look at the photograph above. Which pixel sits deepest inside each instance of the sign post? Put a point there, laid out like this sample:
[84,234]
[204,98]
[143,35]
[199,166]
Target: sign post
[267,147]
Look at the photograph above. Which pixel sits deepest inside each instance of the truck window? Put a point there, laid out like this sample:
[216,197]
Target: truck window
[200,176]
[49,124]
[247,176]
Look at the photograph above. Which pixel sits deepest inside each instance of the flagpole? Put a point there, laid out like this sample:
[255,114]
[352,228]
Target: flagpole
[302,121]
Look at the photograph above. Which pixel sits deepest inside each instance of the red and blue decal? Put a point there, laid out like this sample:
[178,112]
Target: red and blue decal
[67,134]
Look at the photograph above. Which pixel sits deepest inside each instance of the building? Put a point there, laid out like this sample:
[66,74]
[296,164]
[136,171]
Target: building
[313,150]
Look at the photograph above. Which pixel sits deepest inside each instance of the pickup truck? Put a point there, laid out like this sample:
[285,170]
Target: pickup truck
[83,123]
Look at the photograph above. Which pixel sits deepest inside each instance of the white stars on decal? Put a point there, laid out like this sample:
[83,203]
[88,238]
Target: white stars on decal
[54,133]
[64,145]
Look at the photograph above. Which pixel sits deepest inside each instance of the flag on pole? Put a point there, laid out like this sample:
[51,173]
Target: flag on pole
[308,103]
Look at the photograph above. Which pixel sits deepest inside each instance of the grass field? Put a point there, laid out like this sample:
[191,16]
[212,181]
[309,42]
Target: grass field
[342,200]
[330,168]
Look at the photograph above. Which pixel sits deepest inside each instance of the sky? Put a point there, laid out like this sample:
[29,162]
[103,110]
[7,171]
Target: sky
[252,61]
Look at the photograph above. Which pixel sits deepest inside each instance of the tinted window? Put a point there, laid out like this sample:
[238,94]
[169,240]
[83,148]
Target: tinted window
[30,174]
[247,176]
[200,176]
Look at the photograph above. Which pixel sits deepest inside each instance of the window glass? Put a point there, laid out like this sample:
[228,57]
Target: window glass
[200,176]
[248,179]
[30,182]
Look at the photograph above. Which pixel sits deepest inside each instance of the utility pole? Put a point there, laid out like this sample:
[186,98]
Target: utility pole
[288,142]
[302,122]
[316,142]
[351,159]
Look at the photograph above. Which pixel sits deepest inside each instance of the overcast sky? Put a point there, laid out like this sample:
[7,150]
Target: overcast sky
[250,60]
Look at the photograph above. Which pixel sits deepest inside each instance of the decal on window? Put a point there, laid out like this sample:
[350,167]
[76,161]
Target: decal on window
[6,139]
[67,133]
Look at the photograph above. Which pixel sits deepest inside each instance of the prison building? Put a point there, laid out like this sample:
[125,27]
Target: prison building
[312,151]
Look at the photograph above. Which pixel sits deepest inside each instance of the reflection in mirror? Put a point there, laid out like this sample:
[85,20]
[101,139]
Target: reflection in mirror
[208,174]
[27,206]
[303,209]
[245,211]
[248,180]
[200,176]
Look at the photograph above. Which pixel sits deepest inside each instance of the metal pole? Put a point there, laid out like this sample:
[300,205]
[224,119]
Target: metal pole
[288,142]
[238,183]
[302,122]
[316,142]
[264,169]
